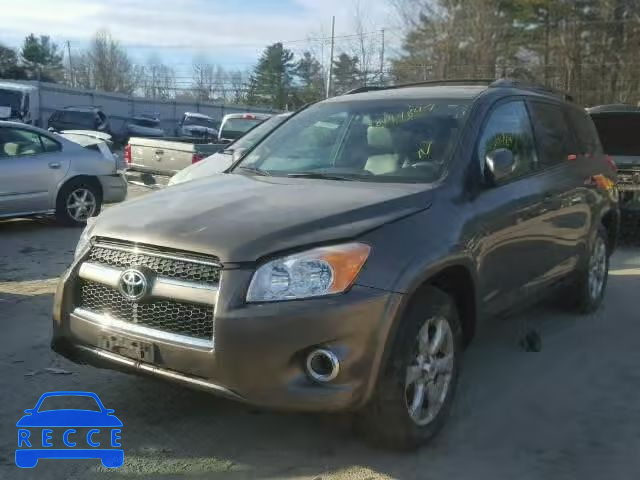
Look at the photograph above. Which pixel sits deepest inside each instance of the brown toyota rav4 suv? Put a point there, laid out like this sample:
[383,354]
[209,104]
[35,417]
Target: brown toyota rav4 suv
[346,261]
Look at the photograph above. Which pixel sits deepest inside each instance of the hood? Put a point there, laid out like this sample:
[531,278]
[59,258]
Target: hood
[69,418]
[216,163]
[241,218]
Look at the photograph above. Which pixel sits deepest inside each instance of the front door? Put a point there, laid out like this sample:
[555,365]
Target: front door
[31,167]
[513,250]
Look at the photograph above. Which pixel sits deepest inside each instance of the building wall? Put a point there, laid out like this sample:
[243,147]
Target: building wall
[120,108]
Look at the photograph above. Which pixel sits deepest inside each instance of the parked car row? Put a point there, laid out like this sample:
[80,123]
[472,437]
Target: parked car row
[191,125]
[351,253]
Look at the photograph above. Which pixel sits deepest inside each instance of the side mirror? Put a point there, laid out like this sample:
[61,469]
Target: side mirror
[500,164]
[51,129]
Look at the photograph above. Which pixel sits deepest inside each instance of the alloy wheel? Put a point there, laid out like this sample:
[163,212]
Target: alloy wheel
[429,374]
[597,268]
[81,204]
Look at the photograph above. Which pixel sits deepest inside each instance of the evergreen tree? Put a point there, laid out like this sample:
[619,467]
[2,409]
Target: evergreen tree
[9,67]
[345,74]
[309,72]
[42,58]
[271,81]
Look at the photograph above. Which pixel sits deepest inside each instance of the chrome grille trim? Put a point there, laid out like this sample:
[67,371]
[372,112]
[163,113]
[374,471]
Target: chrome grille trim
[162,287]
[140,250]
[112,324]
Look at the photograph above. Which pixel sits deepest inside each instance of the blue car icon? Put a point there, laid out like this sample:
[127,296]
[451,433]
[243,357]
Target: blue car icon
[36,432]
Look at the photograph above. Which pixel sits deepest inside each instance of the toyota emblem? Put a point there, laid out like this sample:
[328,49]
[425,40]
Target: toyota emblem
[133,284]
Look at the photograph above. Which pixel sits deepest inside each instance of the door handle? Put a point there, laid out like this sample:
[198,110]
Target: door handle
[54,165]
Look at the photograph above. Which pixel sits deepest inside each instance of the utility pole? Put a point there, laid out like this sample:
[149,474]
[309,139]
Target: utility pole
[333,38]
[382,57]
[71,74]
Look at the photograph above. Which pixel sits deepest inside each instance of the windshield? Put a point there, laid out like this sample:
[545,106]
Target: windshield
[236,127]
[619,133]
[257,133]
[202,122]
[11,98]
[384,140]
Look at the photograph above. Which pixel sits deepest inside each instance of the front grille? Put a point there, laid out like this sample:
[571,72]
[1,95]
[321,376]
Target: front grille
[629,176]
[169,316]
[177,268]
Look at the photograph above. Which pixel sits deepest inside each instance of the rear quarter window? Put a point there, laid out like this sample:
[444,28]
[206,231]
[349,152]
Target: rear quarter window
[585,130]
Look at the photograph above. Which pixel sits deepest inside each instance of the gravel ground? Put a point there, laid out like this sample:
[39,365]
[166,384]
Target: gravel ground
[570,411]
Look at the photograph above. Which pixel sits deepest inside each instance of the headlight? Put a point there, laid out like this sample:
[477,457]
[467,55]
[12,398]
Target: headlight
[321,271]
[85,238]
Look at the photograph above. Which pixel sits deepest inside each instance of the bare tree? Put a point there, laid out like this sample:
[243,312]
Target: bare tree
[238,86]
[366,45]
[203,79]
[111,67]
[159,80]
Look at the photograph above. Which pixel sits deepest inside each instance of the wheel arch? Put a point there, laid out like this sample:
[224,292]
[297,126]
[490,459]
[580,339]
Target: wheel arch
[87,179]
[455,277]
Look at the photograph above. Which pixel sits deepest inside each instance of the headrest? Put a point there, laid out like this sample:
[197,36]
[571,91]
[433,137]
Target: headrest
[380,138]
[11,149]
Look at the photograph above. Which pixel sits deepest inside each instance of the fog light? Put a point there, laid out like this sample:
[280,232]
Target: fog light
[322,365]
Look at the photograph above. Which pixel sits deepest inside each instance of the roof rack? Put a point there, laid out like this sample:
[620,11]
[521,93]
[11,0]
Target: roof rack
[489,82]
[433,83]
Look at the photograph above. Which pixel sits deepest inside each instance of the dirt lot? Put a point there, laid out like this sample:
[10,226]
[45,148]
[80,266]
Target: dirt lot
[569,411]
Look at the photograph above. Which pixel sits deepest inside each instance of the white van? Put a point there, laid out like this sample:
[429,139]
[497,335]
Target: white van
[19,102]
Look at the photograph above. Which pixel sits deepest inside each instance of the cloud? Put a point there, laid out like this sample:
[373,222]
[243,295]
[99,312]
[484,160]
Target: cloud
[224,31]
[186,23]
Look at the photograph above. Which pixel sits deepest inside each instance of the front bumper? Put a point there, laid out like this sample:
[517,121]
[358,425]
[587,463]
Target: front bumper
[114,188]
[258,351]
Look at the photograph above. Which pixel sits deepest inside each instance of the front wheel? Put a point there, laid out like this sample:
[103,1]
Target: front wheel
[417,386]
[77,202]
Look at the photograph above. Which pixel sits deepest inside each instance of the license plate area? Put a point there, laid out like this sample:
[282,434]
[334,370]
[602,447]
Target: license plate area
[128,347]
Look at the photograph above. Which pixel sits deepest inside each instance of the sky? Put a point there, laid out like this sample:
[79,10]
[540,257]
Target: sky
[231,33]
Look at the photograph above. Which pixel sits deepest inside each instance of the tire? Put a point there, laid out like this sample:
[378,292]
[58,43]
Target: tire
[79,192]
[386,421]
[591,283]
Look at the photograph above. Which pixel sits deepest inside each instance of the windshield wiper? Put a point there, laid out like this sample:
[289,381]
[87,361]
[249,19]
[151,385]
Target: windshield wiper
[321,176]
[254,170]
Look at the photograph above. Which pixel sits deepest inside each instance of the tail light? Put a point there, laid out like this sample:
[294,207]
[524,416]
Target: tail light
[196,157]
[249,116]
[611,162]
[127,153]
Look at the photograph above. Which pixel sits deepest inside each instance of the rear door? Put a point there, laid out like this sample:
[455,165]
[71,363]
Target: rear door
[565,215]
[31,167]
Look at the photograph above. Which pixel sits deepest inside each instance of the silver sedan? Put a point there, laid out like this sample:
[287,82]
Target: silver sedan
[42,173]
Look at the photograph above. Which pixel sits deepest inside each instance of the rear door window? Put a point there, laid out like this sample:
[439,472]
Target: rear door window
[555,139]
[619,133]
[50,145]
